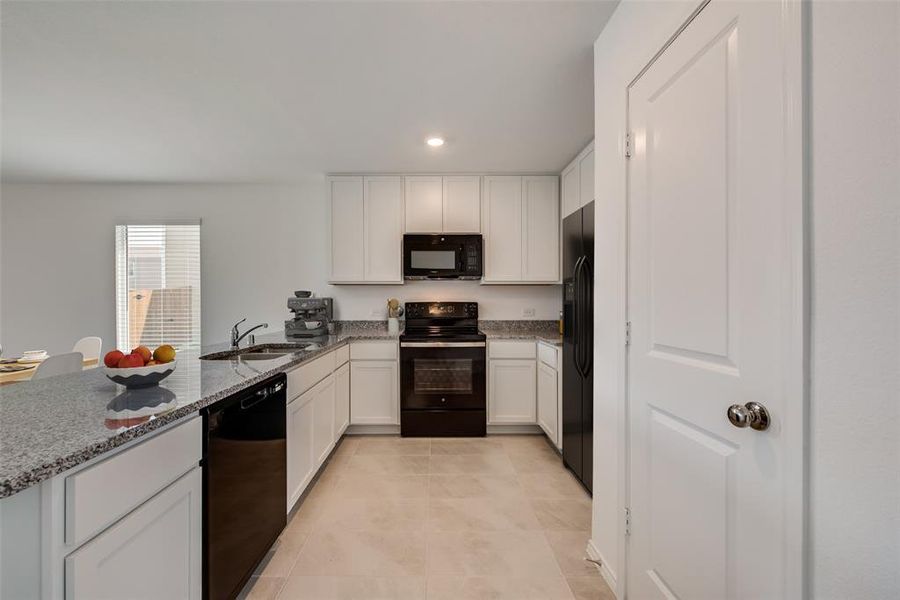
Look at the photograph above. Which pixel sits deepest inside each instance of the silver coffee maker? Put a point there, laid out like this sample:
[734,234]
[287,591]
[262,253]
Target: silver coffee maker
[311,317]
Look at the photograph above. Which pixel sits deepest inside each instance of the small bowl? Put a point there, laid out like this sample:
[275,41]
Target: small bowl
[312,324]
[303,293]
[137,377]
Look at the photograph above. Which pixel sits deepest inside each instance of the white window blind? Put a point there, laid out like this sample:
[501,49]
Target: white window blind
[157,286]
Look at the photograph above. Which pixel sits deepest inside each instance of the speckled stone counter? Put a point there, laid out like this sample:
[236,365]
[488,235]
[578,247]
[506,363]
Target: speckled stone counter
[52,425]
[545,331]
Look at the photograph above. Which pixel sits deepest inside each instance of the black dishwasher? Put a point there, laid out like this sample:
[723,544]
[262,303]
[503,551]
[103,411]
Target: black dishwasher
[244,484]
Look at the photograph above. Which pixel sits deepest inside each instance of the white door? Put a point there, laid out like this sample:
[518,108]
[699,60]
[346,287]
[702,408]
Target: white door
[424,204]
[374,392]
[540,199]
[462,204]
[341,400]
[502,220]
[384,228]
[571,189]
[710,304]
[347,229]
[512,391]
[161,536]
[547,400]
[299,446]
[323,419]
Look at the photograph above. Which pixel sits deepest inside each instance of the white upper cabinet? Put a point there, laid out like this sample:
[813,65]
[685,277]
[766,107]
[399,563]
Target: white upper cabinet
[366,229]
[502,220]
[347,229]
[424,204]
[462,204]
[436,204]
[578,181]
[520,217]
[541,212]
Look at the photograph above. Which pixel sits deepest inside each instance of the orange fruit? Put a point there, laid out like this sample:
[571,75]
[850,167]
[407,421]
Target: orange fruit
[164,353]
[144,352]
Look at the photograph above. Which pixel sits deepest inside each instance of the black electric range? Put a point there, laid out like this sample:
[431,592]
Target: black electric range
[442,371]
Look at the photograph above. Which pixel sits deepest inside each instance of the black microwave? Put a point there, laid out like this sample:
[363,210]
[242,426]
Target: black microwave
[442,256]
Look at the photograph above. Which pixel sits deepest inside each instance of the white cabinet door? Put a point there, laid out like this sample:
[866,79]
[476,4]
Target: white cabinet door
[502,221]
[586,175]
[374,392]
[424,204]
[462,204]
[571,190]
[383,229]
[541,206]
[547,400]
[347,229]
[511,394]
[341,400]
[300,464]
[161,537]
[323,420]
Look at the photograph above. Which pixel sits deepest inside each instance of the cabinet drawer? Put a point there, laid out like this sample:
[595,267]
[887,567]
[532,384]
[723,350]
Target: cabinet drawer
[341,355]
[547,354]
[99,495]
[511,349]
[304,377]
[386,350]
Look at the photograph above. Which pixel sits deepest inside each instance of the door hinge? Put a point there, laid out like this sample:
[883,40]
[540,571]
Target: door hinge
[628,146]
[627,521]
[627,333]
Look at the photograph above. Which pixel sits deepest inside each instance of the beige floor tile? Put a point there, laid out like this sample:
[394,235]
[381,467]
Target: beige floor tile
[302,587]
[358,485]
[471,463]
[282,555]
[523,443]
[393,464]
[394,445]
[569,514]
[570,549]
[372,553]
[498,588]
[375,514]
[467,446]
[262,588]
[497,485]
[480,514]
[552,484]
[491,553]
[536,462]
[590,588]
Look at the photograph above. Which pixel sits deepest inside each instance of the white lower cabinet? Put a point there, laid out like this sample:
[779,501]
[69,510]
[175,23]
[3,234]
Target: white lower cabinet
[548,401]
[374,392]
[153,552]
[511,391]
[341,400]
[300,464]
[323,419]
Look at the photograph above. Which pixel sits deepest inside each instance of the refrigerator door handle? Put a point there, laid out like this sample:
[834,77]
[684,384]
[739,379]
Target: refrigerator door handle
[588,307]
[576,316]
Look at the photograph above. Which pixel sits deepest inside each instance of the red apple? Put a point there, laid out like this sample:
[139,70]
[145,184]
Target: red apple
[131,360]
[112,358]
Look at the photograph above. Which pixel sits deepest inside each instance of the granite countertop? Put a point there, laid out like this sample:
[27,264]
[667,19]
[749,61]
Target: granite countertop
[52,425]
[542,331]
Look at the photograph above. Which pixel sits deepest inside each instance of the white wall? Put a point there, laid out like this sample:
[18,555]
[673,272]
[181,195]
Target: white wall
[855,352]
[854,189]
[258,244]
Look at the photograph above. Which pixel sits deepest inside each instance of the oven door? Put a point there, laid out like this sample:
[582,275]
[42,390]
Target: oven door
[442,375]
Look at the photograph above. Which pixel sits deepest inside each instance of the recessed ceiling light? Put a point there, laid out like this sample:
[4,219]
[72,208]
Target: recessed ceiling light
[435,142]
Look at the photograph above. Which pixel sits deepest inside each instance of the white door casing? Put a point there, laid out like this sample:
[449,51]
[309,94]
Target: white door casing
[715,301]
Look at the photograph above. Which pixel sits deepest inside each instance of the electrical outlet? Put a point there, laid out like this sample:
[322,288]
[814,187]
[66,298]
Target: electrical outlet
[528,313]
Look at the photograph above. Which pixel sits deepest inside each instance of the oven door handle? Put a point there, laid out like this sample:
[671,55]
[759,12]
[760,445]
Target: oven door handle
[442,344]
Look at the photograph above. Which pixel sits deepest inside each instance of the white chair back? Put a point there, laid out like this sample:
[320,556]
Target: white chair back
[90,347]
[59,364]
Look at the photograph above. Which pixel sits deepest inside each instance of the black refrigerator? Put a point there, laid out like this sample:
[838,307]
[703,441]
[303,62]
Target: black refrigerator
[578,343]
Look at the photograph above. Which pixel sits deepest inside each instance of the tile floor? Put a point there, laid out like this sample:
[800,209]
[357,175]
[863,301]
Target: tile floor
[398,518]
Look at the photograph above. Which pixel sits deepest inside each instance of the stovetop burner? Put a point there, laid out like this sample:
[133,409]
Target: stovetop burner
[433,321]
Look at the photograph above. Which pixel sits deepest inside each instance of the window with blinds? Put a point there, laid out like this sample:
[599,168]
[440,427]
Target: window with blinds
[157,286]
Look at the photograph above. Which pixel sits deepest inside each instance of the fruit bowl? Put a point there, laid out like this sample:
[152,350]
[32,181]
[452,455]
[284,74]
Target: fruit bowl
[136,377]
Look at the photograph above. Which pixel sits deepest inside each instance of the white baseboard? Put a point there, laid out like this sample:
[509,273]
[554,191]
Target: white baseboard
[605,572]
[373,430]
[514,429]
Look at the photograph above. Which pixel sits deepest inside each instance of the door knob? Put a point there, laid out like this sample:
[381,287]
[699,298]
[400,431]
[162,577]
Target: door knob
[752,414]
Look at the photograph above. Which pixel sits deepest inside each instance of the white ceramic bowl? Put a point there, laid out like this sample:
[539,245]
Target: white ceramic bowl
[135,377]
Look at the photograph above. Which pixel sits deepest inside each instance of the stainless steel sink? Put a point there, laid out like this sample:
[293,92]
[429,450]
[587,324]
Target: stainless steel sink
[258,353]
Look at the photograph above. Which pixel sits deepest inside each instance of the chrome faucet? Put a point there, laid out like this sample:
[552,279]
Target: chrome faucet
[237,336]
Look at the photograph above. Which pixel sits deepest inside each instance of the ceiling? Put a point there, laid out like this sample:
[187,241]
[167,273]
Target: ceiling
[276,91]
